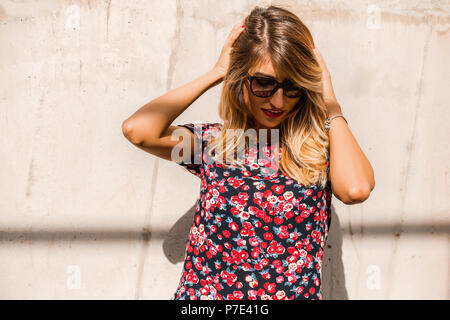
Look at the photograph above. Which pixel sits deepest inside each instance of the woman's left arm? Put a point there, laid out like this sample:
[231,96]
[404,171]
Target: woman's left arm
[351,174]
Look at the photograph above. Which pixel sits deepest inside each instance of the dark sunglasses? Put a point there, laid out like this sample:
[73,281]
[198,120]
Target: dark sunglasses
[264,87]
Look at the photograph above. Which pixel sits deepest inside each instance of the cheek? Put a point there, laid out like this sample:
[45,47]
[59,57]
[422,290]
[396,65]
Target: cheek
[293,104]
[254,104]
[250,102]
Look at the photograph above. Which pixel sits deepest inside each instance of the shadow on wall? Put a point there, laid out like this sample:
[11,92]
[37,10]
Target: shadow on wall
[175,241]
[333,277]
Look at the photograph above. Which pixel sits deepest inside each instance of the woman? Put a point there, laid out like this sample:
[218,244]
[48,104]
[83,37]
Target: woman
[260,225]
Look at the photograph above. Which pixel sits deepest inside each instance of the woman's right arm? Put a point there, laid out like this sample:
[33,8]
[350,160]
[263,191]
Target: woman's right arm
[150,129]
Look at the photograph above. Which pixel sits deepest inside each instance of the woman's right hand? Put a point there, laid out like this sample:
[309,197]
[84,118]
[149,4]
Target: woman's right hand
[222,64]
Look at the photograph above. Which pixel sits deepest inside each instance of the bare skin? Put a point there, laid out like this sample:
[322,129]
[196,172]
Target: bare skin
[351,174]
[150,129]
[277,101]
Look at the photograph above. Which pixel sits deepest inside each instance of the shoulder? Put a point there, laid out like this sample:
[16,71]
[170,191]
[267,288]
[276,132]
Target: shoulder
[203,130]
[207,129]
[204,126]
[213,127]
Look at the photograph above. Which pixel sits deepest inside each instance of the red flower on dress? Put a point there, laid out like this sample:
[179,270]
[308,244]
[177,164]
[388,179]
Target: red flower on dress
[270,287]
[268,236]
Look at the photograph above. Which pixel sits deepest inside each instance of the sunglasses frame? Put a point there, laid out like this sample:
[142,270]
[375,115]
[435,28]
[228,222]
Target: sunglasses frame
[285,85]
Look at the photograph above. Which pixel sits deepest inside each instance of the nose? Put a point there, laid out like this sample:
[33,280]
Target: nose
[277,99]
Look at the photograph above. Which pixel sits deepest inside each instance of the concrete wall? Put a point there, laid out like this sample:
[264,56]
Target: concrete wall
[85,214]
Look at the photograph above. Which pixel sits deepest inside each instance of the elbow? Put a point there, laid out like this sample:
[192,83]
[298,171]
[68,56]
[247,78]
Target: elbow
[127,131]
[357,195]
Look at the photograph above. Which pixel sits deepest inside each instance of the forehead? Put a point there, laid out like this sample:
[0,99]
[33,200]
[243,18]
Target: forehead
[265,67]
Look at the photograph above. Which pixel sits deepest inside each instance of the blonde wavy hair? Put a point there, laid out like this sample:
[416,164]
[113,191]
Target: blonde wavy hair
[281,35]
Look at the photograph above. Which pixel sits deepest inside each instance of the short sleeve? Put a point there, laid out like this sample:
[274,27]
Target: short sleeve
[328,170]
[202,134]
[328,163]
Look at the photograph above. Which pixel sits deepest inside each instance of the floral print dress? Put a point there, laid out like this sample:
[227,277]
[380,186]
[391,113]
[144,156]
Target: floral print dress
[254,236]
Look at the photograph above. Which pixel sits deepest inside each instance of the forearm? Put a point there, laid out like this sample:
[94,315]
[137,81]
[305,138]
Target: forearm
[351,173]
[150,121]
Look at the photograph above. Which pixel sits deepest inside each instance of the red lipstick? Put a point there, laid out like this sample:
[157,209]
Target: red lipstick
[273,113]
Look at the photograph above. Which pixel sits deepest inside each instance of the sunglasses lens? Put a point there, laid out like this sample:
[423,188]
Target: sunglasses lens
[263,87]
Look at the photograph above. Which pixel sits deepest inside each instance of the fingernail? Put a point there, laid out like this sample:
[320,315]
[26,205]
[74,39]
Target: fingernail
[243,25]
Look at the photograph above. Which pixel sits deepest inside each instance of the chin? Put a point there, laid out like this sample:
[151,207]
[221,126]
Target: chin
[269,124]
[273,124]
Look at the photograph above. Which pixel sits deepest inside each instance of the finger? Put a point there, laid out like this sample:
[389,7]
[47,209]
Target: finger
[236,32]
[317,55]
[238,25]
[320,59]
[238,28]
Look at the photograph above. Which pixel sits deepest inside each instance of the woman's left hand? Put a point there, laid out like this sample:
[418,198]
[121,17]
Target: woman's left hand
[329,97]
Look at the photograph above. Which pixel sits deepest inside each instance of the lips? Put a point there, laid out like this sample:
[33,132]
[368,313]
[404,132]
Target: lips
[273,113]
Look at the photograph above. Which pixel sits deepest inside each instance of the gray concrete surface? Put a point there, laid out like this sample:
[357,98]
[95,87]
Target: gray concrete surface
[84,214]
